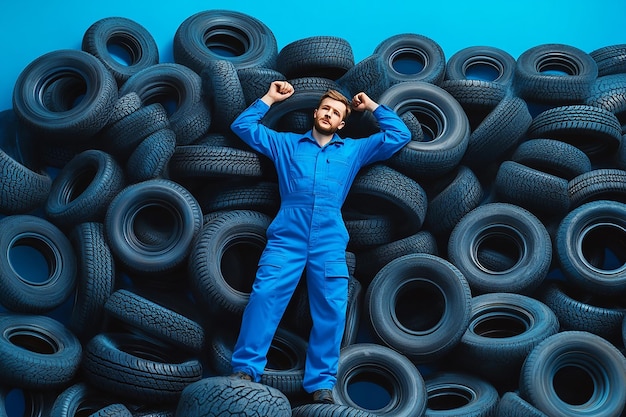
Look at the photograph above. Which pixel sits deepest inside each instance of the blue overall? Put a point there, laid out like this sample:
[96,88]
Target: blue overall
[307,232]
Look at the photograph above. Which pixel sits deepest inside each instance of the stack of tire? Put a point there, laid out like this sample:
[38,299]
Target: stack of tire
[487,257]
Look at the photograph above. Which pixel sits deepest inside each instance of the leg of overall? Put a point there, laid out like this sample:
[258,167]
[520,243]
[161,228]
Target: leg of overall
[280,270]
[327,284]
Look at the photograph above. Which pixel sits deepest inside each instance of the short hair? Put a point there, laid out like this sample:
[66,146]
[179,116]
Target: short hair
[336,95]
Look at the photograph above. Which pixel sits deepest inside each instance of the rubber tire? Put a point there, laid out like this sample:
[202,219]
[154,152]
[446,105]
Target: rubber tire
[579,310]
[127,35]
[597,184]
[245,40]
[316,56]
[168,83]
[37,352]
[29,294]
[21,189]
[151,317]
[83,189]
[79,398]
[533,82]
[438,113]
[540,193]
[412,47]
[512,405]
[137,369]
[419,305]
[602,363]
[453,394]
[552,157]
[574,233]
[134,207]
[150,159]
[384,367]
[611,59]
[328,410]
[225,396]
[503,329]
[85,118]
[97,279]
[466,64]
[219,246]
[491,223]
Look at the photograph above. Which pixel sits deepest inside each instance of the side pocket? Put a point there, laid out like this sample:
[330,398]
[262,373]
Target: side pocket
[336,282]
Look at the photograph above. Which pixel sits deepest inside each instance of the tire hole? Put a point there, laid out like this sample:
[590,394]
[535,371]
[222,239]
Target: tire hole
[448,398]
[30,259]
[573,385]
[419,306]
[368,392]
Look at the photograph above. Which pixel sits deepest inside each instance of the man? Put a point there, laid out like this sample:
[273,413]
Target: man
[315,172]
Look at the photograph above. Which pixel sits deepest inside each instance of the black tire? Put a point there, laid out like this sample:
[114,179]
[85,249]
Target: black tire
[256,80]
[21,189]
[328,410]
[609,93]
[536,191]
[155,319]
[80,398]
[552,157]
[137,369]
[611,59]
[206,161]
[115,39]
[160,206]
[485,63]
[450,198]
[224,396]
[503,329]
[597,184]
[124,106]
[453,394]
[83,189]
[444,124]
[384,369]
[37,352]
[497,133]
[151,157]
[575,373]
[113,410]
[368,75]
[36,404]
[535,82]
[370,261]
[506,229]
[478,98]
[285,360]
[316,56]
[83,118]
[381,189]
[96,278]
[224,34]
[595,131]
[121,138]
[512,405]
[179,90]
[579,310]
[592,227]
[260,196]
[35,291]
[223,93]
[419,305]
[412,57]
[223,262]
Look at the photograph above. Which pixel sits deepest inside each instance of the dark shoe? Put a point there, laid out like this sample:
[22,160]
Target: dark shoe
[323,396]
[241,375]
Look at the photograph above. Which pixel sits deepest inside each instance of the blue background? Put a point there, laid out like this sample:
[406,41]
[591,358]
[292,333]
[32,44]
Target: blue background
[31,28]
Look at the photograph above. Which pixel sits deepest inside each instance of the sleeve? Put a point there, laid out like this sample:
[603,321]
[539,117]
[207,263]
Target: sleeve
[249,128]
[392,137]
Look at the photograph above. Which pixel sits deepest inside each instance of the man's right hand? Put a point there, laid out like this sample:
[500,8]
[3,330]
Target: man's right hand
[278,91]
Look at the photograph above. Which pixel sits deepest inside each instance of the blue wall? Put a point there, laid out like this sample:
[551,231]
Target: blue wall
[31,28]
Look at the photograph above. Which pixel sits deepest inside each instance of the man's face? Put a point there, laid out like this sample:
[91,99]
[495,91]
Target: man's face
[328,117]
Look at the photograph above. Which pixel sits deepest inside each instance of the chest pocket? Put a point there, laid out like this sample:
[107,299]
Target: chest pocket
[338,171]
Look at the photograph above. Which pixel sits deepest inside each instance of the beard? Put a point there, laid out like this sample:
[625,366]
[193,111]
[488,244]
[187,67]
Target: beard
[324,129]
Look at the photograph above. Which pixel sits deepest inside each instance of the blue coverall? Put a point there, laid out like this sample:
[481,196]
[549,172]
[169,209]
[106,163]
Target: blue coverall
[307,232]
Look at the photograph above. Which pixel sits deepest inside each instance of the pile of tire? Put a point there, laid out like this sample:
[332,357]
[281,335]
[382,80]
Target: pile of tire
[487,257]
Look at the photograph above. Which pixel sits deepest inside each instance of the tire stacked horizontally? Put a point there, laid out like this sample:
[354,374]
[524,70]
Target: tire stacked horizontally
[487,257]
